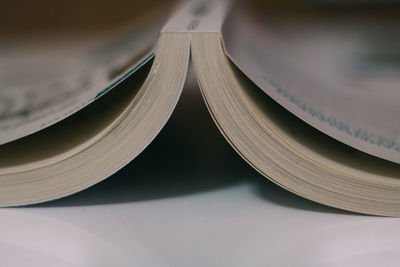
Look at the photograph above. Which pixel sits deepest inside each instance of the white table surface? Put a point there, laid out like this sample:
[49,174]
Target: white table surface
[190,200]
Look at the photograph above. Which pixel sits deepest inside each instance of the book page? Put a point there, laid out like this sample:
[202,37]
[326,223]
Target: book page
[45,79]
[197,16]
[337,72]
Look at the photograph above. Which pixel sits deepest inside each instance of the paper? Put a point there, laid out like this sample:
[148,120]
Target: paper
[199,16]
[43,82]
[341,76]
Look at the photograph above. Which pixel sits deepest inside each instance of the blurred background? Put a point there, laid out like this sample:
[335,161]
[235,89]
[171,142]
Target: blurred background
[43,16]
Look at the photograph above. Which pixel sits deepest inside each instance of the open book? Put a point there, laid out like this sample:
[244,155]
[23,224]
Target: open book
[308,95]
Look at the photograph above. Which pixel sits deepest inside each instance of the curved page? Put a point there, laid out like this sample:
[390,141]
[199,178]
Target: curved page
[339,73]
[44,80]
